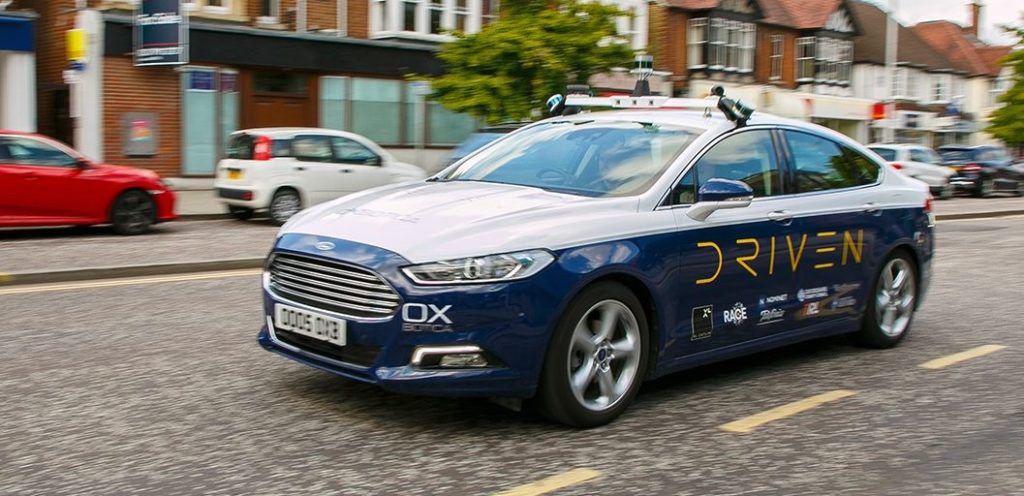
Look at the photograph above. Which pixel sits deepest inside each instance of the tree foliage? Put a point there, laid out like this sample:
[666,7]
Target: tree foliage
[509,69]
[1007,121]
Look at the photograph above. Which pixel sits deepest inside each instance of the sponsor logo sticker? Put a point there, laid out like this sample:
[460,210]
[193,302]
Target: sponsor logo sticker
[810,309]
[702,322]
[736,315]
[812,293]
[771,316]
[418,317]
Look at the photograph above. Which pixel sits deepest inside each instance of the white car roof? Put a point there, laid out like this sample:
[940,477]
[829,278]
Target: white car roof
[285,132]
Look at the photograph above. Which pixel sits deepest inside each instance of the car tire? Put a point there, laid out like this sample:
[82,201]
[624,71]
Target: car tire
[985,188]
[133,212]
[601,341]
[891,305]
[285,203]
[240,213]
[947,192]
[1020,189]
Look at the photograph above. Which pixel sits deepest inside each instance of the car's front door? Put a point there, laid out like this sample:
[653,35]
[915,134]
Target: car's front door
[735,282]
[839,215]
[46,181]
[358,165]
[315,168]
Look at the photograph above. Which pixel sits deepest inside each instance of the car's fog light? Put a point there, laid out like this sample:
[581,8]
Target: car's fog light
[463,361]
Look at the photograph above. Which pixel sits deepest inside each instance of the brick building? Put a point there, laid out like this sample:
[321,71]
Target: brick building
[254,63]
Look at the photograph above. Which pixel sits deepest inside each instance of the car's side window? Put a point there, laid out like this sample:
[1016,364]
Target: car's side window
[348,151]
[27,151]
[919,156]
[312,148]
[820,164]
[863,169]
[748,156]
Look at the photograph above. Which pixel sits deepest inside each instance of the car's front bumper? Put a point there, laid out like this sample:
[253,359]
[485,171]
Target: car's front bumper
[164,200]
[509,322]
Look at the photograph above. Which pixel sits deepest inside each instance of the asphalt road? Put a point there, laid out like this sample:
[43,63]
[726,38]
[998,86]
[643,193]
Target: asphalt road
[161,388]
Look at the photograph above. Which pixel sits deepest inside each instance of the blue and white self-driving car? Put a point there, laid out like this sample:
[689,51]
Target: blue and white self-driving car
[579,256]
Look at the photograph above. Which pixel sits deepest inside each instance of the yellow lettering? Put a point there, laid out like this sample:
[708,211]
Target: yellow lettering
[824,265]
[794,262]
[710,244]
[855,249]
[771,259]
[743,260]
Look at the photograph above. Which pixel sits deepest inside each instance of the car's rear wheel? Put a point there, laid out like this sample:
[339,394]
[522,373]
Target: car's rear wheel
[1020,188]
[284,204]
[597,358]
[985,188]
[240,213]
[891,307]
[133,212]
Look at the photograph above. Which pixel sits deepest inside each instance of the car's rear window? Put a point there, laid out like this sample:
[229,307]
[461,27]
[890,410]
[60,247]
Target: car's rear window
[886,153]
[955,155]
[241,146]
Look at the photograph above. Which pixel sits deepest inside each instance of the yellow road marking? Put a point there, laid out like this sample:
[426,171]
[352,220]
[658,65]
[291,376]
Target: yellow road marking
[946,361]
[552,483]
[127,281]
[748,424]
[5,276]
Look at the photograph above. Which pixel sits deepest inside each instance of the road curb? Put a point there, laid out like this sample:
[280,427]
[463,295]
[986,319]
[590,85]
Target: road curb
[979,215]
[70,275]
[189,217]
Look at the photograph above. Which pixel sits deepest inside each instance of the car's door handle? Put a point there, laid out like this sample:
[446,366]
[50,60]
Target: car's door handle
[872,208]
[783,216]
[300,168]
[345,170]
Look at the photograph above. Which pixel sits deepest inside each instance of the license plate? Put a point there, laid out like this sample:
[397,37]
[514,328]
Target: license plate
[234,174]
[311,324]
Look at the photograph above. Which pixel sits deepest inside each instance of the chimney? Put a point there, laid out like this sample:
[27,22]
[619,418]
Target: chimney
[975,17]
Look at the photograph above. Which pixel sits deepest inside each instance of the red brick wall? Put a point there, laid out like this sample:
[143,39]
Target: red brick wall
[321,14]
[142,89]
[359,18]
[667,35]
[51,56]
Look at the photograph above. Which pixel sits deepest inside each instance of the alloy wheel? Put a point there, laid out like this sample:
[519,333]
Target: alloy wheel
[894,299]
[604,355]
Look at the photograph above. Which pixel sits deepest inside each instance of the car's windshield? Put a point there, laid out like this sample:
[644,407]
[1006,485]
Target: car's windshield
[886,153]
[954,155]
[592,158]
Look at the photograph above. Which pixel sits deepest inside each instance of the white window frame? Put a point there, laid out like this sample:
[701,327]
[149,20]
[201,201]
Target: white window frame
[802,43]
[748,42]
[275,11]
[718,38]
[495,8]
[217,9]
[778,46]
[393,14]
[697,42]
[939,90]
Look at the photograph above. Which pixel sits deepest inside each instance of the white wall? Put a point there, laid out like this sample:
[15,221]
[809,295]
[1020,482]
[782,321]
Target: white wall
[18,91]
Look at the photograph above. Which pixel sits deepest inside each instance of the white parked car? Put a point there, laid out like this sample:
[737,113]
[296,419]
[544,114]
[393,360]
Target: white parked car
[284,170]
[921,163]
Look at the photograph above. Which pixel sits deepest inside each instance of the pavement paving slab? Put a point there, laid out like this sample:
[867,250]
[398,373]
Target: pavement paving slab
[55,249]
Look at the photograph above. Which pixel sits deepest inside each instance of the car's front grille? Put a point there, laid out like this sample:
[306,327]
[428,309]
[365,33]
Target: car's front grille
[336,287]
[362,356]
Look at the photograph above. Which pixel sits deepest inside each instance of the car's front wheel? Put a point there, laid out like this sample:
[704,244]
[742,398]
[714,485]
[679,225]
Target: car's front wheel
[986,187]
[133,212]
[891,307]
[597,358]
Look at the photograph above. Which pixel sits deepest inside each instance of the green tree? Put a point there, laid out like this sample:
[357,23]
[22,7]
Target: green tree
[1007,121]
[510,68]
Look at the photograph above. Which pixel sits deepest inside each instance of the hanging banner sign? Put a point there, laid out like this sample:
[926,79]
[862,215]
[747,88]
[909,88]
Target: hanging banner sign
[161,33]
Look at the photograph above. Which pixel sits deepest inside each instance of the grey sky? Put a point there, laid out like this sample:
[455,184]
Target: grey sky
[994,13]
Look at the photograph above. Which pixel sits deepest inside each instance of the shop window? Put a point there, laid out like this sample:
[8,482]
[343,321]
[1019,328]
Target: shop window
[446,127]
[210,113]
[333,102]
[377,110]
[280,82]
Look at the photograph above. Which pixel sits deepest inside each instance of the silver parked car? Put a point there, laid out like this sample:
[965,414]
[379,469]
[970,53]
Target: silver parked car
[921,163]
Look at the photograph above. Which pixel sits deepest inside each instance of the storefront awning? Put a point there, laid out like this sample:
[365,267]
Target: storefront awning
[16,32]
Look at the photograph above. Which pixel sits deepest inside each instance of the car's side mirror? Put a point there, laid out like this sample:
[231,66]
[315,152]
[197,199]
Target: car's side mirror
[717,194]
[83,163]
[375,160]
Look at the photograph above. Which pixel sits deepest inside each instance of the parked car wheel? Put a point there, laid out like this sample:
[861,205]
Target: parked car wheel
[985,188]
[597,358]
[284,204]
[240,213]
[892,304]
[947,192]
[1020,188]
[133,212]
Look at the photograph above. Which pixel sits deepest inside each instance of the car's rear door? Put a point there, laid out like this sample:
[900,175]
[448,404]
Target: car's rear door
[315,169]
[839,216]
[735,283]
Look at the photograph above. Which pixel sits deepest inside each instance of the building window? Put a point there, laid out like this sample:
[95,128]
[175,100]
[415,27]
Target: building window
[805,58]
[218,6]
[832,59]
[270,10]
[899,88]
[721,44]
[633,26]
[428,19]
[778,41]
[491,10]
[697,42]
[912,89]
[997,88]
[940,88]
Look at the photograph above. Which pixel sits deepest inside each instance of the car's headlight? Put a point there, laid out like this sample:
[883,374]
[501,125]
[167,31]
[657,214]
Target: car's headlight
[490,268]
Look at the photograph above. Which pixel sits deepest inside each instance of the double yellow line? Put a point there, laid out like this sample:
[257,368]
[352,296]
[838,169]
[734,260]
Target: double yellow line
[127,281]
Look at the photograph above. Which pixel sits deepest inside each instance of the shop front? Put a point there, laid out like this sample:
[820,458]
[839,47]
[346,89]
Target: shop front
[17,71]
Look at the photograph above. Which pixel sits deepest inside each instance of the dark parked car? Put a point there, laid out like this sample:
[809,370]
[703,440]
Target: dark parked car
[482,138]
[983,169]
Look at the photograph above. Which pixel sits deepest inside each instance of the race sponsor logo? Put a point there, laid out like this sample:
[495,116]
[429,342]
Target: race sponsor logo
[844,302]
[702,322]
[771,316]
[772,300]
[809,309]
[736,315]
[761,257]
[812,293]
[418,317]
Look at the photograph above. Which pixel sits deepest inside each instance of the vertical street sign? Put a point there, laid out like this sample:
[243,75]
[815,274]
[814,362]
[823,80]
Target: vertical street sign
[161,33]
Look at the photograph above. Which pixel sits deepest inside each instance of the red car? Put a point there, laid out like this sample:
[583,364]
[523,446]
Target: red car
[46,183]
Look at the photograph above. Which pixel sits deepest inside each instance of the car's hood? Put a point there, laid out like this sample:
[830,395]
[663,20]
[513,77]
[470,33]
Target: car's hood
[427,221]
